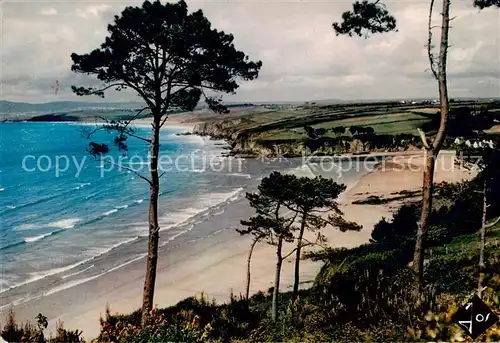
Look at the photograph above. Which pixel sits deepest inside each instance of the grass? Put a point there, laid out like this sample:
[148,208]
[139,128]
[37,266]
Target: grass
[282,135]
[393,123]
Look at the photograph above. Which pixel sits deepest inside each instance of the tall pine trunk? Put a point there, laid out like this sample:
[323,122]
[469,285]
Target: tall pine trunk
[482,243]
[296,281]
[432,151]
[277,276]
[152,258]
[418,258]
[249,261]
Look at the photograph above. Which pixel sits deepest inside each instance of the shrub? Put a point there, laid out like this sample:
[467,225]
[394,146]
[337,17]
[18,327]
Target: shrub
[402,226]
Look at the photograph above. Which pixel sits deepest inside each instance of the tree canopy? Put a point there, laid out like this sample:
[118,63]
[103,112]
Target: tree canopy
[368,17]
[168,56]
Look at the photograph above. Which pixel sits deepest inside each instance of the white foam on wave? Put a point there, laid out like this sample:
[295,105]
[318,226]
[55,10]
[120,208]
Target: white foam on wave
[64,223]
[140,201]
[219,212]
[2,189]
[37,238]
[117,208]
[41,275]
[217,232]
[24,227]
[184,216]
[71,284]
[188,138]
[79,272]
[246,176]
[10,207]
[107,213]
[177,235]
[82,185]
[181,217]
[100,252]
[59,224]
[215,198]
[90,278]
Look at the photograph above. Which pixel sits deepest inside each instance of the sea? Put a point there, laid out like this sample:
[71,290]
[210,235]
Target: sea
[66,217]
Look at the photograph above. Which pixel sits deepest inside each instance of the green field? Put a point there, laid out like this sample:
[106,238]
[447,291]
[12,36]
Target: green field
[286,122]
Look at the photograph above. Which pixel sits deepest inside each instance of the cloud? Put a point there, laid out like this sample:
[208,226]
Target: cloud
[302,58]
[92,11]
[48,11]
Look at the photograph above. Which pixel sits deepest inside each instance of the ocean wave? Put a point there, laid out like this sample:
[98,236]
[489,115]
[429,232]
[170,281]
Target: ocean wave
[217,232]
[82,185]
[93,195]
[2,189]
[100,252]
[71,284]
[25,227]
[186,215]
[37,238]
[41,275]
[188,138]
[213,202]
[62,225]
[165,193]
[219,212]
[13,244]
[246,176]
[116,209]
[180,217]
[40,201]
[68,223]
[76,273]
[170,239]
[90,278]
[107,213]
[51,272]
[59,224]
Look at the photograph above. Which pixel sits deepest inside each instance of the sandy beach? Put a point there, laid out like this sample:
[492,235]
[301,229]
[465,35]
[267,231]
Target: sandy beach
[217,266]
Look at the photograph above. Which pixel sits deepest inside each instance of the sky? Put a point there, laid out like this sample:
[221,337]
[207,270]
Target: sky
[303,59]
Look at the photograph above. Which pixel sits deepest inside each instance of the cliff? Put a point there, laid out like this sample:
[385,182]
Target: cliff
[225,129]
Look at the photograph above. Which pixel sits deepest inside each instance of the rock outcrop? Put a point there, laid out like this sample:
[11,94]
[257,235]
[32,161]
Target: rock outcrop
[224,129]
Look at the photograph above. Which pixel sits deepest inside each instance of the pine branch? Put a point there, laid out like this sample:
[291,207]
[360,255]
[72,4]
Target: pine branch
[128,169]
[429,43]
[424,139]
[493,223]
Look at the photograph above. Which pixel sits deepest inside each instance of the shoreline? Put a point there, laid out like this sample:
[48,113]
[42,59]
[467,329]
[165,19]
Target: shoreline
[188,272]
[218,251]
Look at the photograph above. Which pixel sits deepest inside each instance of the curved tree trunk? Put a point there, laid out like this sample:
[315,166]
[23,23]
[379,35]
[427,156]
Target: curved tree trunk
[247,294]
[432,151]
[152,258]
[296,281]
[277,276]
